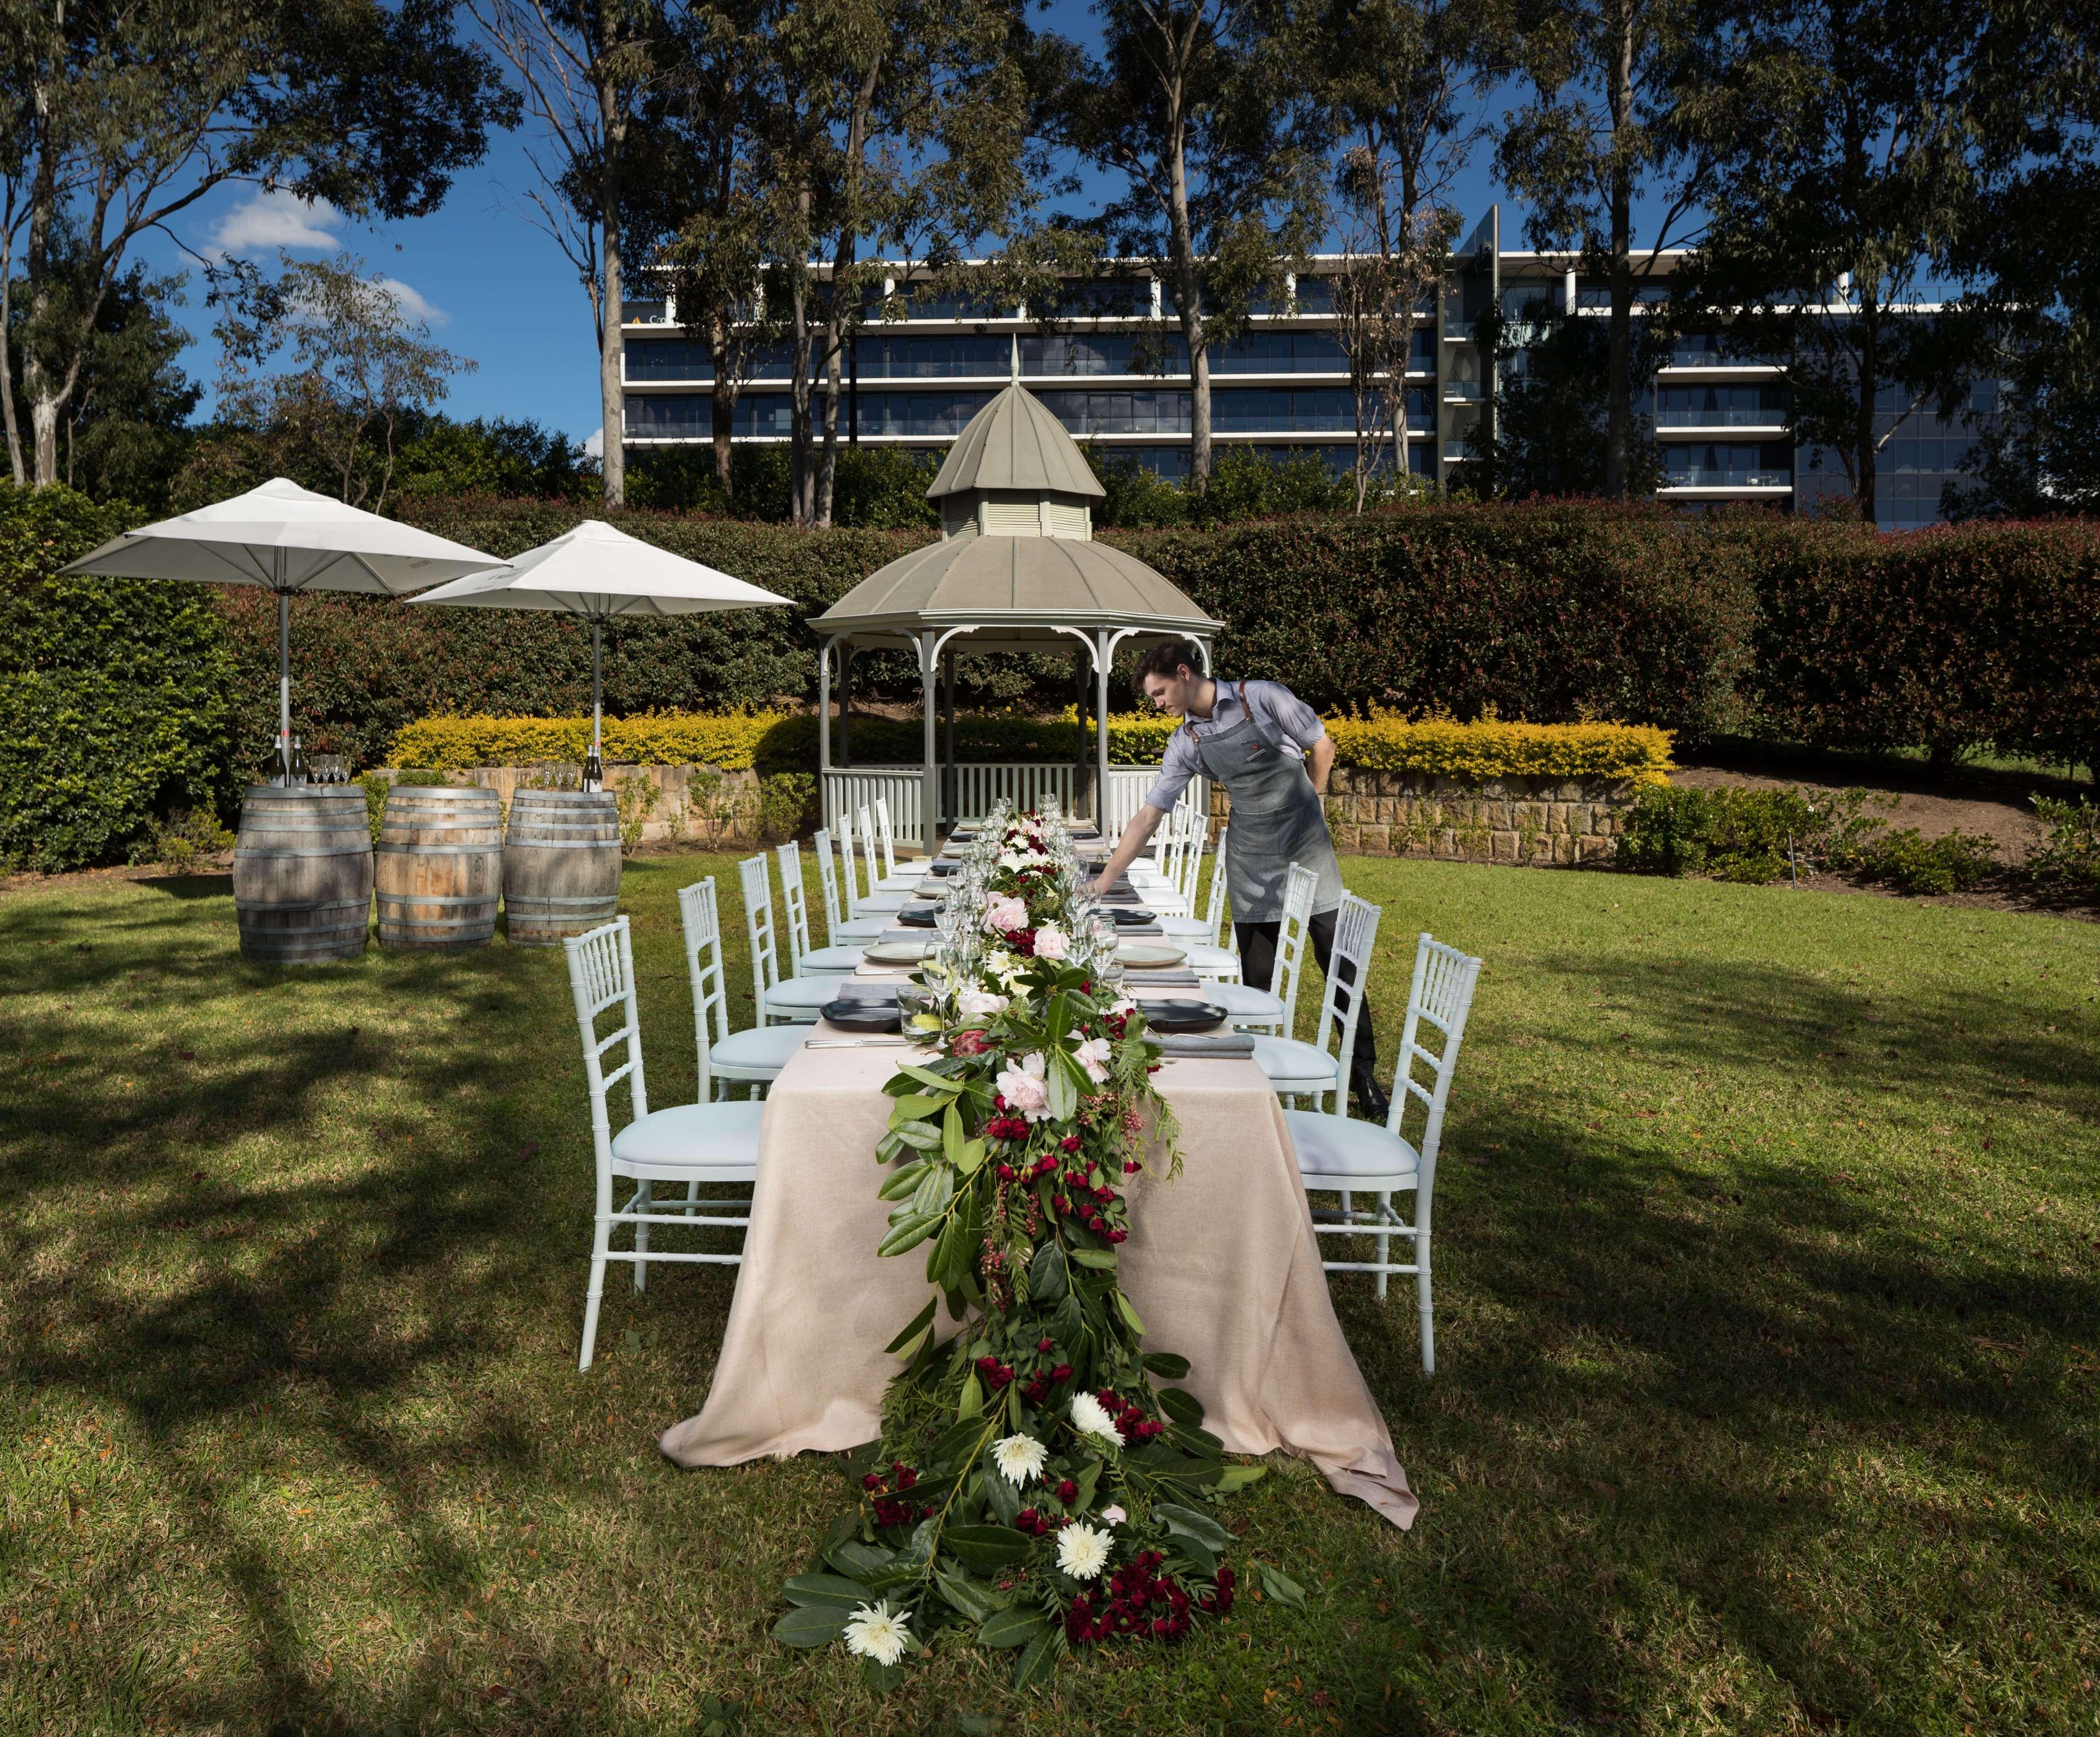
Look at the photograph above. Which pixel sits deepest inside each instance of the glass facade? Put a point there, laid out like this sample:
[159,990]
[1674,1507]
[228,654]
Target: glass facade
[1762,465]
[1751,406]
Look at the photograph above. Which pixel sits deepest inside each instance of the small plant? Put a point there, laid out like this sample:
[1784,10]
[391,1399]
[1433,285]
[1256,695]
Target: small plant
[1731,834]
[375,789]
[1911,863]
[2068,858]
[786,802]
[636,797]
[177,842]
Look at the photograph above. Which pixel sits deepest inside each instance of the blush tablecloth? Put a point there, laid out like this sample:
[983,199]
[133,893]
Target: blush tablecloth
[1221,1265]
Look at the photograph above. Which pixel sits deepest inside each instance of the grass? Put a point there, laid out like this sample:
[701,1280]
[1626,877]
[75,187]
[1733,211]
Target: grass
[1769,1324]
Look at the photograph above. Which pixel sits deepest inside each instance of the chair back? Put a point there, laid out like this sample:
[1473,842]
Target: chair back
[827,879]
[1348,968]
[852,881]
[865,816]
[1300,886]
[701,917]
[889,834]
[1192,860]
[758,925]
[797,901]
[1175,844]
[1441,998]
[602,979]
[1214,913]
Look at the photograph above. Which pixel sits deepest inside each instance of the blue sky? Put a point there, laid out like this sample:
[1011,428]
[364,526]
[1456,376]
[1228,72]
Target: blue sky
[494,288]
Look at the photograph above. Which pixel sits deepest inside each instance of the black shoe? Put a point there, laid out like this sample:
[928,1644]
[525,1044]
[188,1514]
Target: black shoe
[1372,1103]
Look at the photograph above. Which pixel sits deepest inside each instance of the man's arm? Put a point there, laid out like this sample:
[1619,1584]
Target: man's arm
[1320,761]
[1140,828]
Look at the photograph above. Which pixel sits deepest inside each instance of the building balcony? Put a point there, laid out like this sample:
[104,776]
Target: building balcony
[1684,480]
[1750,421]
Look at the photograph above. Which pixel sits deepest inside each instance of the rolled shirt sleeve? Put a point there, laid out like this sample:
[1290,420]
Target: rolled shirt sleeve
[1177,766]
[1272,703]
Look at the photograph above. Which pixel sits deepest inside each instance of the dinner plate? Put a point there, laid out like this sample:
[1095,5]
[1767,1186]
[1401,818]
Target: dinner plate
[1148,955]
[929,892]
[1180,1015]
[1127,916]
[918,916]
[863,1016]
[897,952]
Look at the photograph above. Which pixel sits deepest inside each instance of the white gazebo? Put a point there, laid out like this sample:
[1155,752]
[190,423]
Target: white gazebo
[1016,568]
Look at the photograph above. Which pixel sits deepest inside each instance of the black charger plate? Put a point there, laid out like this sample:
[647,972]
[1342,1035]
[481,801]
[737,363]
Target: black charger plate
[918,916]
[1128,917]
[1182,1016]
[864,1015]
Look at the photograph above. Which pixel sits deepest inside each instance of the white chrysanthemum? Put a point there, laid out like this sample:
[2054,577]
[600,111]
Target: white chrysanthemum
[878,1633]
[1019,1458]
[1083,1551]
[1091,1418]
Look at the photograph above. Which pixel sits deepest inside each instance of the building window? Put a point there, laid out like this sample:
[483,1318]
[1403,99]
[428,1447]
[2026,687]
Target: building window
[1103,353]
[1753,406]
[964,355]
[1111,413]
[1769,464]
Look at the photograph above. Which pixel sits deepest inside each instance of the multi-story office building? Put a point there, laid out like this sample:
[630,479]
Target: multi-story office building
[1116,374]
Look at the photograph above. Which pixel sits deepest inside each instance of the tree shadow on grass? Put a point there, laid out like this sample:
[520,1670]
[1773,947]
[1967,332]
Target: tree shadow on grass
[1667,1333]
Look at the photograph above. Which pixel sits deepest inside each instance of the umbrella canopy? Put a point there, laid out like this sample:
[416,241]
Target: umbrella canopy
[603,574]
[283,538]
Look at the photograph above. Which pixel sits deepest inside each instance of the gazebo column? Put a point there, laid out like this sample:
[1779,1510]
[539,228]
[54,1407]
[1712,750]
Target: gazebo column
[1104,645]
[929,798]
[824,731]
[845,702]
[950,800]
[1079,711]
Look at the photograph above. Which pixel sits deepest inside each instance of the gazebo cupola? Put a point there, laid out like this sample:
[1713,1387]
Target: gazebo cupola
[1014,472]
[1016,568]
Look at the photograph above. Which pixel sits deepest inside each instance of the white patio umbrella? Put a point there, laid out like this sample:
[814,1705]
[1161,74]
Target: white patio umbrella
[601,574]
[285,538]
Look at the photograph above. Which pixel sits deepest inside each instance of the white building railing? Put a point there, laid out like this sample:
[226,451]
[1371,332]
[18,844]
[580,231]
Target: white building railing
[978,785]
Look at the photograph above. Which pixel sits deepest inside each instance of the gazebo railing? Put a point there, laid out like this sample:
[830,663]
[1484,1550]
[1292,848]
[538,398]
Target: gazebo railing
[979,784]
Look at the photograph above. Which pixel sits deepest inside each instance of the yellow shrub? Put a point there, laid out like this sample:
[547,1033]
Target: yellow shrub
[726,740]
[1490,749]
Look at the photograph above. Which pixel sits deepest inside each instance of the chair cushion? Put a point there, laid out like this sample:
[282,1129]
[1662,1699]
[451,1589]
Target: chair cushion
[1243,1001]
[882,902]
[1211,960]
[1288,1059]
[1338,1148]
[1193,928]
[691,1136]
[763,1049]
[832,959]
[803,992]
[862,929]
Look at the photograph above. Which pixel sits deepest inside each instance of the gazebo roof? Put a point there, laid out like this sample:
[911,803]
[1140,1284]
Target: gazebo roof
[1014,443]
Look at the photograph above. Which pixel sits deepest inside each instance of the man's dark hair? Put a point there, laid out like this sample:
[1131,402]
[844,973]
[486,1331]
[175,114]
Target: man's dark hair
[1167,660]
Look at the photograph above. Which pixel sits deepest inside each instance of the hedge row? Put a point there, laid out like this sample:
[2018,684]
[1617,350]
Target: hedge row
[774,741]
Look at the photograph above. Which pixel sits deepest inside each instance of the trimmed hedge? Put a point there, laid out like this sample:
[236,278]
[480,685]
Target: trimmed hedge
[117,694]
[776,741]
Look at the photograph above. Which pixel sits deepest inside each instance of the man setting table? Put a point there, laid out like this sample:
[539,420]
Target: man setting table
[1270,753]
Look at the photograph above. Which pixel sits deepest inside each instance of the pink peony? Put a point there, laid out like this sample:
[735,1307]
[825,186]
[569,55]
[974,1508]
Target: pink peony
[1004,913]
[1093,1056]
[1025,1089]
[1052,942]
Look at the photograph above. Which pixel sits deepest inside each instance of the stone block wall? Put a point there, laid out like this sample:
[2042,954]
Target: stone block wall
[688,805]
[1523,821]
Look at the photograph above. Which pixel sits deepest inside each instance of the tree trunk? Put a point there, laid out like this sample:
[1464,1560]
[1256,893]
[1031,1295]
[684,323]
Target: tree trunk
[1618,365]
[15,459]
[1869,389]
[801,479]
[827,460]
[842,305]
[612,403]
[722,396]
[38,386]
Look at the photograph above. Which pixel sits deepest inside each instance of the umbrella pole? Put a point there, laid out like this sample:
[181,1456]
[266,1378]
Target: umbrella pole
[283,687]
[597,754]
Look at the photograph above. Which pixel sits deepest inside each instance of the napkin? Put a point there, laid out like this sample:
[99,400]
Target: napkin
[1219,1045]
[1171,977]
[859,989]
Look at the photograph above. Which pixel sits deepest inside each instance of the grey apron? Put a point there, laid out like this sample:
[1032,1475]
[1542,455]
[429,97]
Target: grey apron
[1277,820]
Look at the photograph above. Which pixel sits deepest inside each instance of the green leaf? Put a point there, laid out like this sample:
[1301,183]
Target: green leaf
[913,1108]
[983,1547]
[922,1319]
[1101,1260]
[1090,1475]
[1186,1522]
[971,1158]
[1001,1498]
[924,1135]
[1064,1095]
[1038,1660]
[811,1626]
[927,1077]
[971,1404]
[1046,1274]
[962,1594]
[952,1134]
[901,1182]
[1167,1364]
[822,1589]
[1014,1628]
[1278,1585]
[887,1148]
[881,1678]
[936,1189]
[1129,1314]
[1202,1561]
[1182,1406]
[909,1235]
[859,1562]
[1239,1477]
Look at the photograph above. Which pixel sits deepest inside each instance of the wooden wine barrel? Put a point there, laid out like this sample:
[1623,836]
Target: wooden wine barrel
[302,873]
[440,866]
[561,864]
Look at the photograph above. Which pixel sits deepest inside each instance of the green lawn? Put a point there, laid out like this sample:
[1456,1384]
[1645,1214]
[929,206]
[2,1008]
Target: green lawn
[1769,1323]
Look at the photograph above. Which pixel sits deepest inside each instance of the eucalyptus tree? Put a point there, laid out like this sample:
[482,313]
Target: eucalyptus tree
[1401,80]
[1204,111]
[1598,134]
[121,115]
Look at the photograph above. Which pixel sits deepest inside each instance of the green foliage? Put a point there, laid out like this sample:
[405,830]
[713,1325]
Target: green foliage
[2068,857]
[1550,425]
[786,805]
[117,692]
[1911,862]
[179,842]
[1728,834]
[1244,484]
[875,488]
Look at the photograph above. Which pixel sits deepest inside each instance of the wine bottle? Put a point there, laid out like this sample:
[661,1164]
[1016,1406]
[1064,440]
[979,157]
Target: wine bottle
[298,761]
[594,771]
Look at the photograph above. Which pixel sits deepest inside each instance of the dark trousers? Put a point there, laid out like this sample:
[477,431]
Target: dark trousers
[1258,960]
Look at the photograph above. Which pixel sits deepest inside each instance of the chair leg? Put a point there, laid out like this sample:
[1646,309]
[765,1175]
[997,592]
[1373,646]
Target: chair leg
[1384,1242]
[1421,1302]
[641,1237]
[601,1241]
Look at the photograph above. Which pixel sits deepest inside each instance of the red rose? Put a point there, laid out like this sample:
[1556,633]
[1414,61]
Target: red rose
[1070,1143]
[1067,1491]
[1046,1343]
[1063,1372]
[1118,1235]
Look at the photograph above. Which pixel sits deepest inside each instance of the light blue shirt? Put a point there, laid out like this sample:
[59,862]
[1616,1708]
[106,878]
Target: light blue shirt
[1278,712]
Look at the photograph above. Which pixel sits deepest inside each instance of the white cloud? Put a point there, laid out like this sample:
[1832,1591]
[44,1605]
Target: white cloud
[411,302]
[278,219]
[594,444]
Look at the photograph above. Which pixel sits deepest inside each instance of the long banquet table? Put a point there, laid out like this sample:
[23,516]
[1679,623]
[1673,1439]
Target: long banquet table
[1221,1265]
